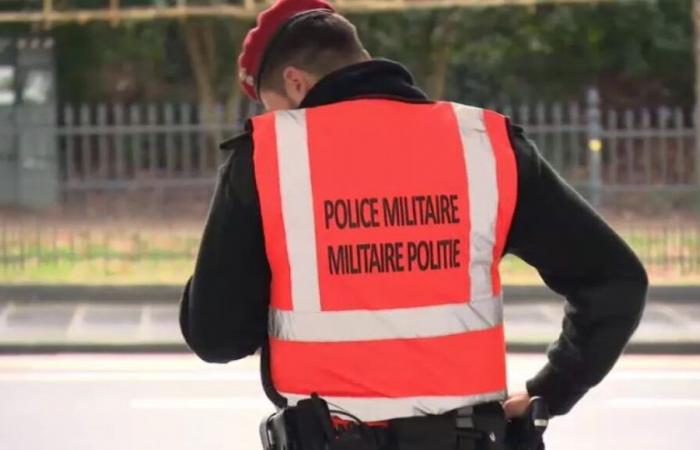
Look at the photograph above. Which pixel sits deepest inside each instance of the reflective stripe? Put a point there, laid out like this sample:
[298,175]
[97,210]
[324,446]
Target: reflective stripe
[507,179]
[457,364]
[483,197]
[373,408]
[297,208]
[407,323]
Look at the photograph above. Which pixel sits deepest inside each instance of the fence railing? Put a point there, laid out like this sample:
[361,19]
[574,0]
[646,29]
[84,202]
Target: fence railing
[602,149]
[116,146]
[36,252]
[598,149]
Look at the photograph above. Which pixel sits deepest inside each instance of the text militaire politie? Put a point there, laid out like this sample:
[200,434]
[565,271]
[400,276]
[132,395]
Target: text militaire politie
[388,212]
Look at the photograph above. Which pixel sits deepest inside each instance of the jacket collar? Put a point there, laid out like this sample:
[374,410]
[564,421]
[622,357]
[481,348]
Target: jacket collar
[376,78]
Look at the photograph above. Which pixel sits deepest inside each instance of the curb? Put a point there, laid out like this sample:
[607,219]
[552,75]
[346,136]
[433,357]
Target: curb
[56,348]
[171,294]
[656,294]
[634,348]
[639,348]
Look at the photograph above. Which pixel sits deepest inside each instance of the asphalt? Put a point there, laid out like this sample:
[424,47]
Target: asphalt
[175,402]
[145,319]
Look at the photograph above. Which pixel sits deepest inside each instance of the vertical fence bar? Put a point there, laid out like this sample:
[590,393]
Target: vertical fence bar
[679,128]
[646,146]
[152,117]
[136,140]
[54,247]
[186,122]
[5,249]
[85,147]
[558,141]
[38,254]
[662,131]
[574,159]
[119,138]
[68,124]
[611,133]
[170,130]
[103,160]
[22,250]
[629,145]
[219,119]
[202,117]
[595,146]
[540,124]
[106,244]
[509,111]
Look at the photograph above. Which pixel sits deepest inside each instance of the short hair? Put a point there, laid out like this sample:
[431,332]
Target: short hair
[319,42]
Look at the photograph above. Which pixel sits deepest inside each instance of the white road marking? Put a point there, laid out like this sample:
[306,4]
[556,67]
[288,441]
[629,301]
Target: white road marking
[655,375]
[245,403]
[639,403]
[59,377]
[77,321]
[254,375]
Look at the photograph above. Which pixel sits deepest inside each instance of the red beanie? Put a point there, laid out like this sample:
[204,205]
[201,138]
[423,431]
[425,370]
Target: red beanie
[257,39]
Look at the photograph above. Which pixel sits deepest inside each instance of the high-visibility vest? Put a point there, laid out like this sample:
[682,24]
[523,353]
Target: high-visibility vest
[384,225]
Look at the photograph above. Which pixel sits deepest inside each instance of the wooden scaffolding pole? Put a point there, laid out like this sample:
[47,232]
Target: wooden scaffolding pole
[113,12]
[696,123]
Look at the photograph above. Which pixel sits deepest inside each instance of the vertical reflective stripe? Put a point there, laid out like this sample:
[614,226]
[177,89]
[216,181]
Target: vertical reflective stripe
[483,197]
[297,208]
[507,179]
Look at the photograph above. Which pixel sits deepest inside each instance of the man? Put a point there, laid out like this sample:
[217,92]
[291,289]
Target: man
[348,216]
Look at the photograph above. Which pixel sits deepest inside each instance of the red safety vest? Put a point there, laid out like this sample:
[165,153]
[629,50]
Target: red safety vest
[384,226]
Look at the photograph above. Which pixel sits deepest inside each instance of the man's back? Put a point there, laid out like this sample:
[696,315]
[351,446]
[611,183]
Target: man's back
[277,244]
[224,311]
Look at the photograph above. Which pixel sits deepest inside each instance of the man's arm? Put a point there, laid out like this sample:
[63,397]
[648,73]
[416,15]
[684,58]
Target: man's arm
[580,257]
[223,315]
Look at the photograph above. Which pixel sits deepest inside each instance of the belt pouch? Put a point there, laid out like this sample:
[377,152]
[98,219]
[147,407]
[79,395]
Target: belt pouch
[492,425]
[424,433]
[309,425]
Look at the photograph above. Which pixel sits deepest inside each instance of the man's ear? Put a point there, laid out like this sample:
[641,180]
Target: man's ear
[297,83]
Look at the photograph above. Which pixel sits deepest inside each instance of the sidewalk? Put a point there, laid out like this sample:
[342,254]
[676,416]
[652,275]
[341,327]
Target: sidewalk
[149,323]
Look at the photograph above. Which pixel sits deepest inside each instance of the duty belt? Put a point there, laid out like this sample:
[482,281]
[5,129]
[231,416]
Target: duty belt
[310,426]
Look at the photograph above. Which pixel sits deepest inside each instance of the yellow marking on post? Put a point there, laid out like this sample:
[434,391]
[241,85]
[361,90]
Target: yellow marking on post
[595,145]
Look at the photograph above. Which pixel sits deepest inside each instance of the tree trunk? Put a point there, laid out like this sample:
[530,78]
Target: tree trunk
[696,124]
[199,64]
[442,41]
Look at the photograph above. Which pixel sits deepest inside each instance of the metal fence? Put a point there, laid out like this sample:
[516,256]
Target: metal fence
[106,147]
[43,252]
[603,150]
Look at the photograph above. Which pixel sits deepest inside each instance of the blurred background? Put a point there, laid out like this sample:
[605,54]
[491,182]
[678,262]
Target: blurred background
[111,112]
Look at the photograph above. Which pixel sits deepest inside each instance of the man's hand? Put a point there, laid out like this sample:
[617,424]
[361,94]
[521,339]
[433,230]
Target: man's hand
[516,405]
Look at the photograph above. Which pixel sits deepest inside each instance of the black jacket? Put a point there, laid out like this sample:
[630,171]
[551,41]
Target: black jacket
[224,308]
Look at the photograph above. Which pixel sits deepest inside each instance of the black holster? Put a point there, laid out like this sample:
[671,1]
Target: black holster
[527,432]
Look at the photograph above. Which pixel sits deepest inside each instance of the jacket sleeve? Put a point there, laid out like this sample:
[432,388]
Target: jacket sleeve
[223,313]
[581,258]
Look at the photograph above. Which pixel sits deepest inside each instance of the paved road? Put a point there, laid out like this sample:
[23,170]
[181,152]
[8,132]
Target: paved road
[33,326]
[174,402]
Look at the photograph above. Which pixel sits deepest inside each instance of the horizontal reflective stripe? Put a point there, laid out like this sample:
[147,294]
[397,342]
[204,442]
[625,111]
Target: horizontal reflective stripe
[405,323]
[372,409]
[457,364]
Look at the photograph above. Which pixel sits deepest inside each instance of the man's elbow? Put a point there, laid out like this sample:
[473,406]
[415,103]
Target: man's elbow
[635,284]
[217,347]
[218,351]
